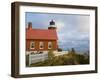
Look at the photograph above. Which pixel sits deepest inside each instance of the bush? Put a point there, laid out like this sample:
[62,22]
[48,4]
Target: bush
[72,58]
[59,49]
[50,54]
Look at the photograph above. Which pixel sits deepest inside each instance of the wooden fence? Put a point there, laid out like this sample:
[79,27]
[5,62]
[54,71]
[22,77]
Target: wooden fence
[34,58]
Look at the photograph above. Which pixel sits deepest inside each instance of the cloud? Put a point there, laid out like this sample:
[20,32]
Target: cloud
[83,23]
[60,25]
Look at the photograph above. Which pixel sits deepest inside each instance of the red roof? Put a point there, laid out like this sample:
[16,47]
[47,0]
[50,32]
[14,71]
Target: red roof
[43,34]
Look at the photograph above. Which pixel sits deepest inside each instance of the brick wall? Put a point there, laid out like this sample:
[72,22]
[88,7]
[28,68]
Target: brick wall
[54,43]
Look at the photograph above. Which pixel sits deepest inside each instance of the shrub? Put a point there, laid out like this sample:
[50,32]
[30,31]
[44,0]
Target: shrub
[72,58]
[59,49]
[50,54]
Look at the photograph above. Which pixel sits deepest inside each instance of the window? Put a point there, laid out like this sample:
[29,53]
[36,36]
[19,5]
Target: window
[32,45]
[41,45]
[49,45]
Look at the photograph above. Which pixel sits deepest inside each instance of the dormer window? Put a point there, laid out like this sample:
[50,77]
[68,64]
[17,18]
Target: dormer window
[32,45]
[41,45]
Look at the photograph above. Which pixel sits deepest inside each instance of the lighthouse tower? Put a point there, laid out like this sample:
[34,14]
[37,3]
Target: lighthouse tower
[52,25]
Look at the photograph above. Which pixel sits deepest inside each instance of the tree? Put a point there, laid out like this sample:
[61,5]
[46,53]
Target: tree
[59,49]
[73,51]
[50,54]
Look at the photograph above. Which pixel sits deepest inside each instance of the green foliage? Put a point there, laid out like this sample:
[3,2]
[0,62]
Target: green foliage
[72,58]
[50,54]
[59,49]
[77,58]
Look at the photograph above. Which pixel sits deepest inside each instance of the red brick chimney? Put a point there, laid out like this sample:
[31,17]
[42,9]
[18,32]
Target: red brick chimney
[29,25]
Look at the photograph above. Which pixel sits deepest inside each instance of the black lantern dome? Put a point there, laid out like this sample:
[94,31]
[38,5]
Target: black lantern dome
[52,25]
[52,22]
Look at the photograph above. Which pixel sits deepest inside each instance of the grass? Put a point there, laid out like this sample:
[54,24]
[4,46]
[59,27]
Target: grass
[72,58]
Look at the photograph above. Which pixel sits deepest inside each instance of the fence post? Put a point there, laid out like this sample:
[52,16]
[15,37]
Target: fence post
[29,59]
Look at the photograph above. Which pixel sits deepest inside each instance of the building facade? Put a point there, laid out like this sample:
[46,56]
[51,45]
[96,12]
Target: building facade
[41,39]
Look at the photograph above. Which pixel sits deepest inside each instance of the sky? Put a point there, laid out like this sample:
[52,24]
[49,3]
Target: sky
[72,29]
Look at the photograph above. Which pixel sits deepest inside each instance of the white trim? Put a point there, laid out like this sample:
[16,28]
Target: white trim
[53,26]
[50,43]
[41,43]
[32,42]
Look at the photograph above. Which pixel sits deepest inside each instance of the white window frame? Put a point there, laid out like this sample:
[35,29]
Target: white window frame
[41,43]
[32,42]
[49,43]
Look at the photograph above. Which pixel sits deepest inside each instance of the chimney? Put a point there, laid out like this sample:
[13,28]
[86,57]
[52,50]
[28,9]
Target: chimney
[29,25]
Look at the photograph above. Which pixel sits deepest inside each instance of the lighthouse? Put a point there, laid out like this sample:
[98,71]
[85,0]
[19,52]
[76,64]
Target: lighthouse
[52,25]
